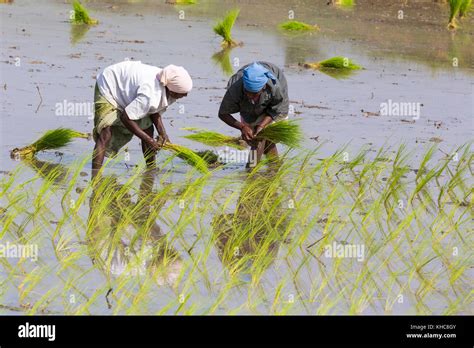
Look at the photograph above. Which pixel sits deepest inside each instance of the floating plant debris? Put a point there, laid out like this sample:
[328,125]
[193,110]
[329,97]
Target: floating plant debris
[224,28]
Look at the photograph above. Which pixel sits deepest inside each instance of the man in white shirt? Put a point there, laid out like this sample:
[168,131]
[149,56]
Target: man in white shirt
[130,98]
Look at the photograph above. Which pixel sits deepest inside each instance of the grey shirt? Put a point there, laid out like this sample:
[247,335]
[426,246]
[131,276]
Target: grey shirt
[273,100]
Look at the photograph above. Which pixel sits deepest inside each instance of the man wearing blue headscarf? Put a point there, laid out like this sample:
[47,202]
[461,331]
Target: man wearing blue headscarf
[259,92]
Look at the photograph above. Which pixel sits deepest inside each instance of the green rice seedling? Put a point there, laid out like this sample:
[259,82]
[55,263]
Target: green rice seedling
[458,7]
[52,139]
[295,26]
[215,139]
[210,157]
[346,4]
[465,8]
[188,155]
[334,63]
[224,28]
[81,15]
[285,132]
[337,67]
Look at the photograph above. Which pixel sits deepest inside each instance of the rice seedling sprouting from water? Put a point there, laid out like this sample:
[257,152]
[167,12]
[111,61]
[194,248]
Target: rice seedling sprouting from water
[296,26]
[52,139]
[458,7]
[285,132]
[224,28]
[81,15]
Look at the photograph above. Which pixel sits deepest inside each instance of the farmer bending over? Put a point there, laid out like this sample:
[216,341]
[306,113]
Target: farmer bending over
[129,99]
[260,93]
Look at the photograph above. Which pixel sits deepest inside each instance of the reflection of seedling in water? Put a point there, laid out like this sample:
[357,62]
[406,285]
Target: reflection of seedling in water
[224,28]
[337,67]
[223,59]
[81,15]
[296,26]
[285,132]
[458,7]
[52,139]
[78,31]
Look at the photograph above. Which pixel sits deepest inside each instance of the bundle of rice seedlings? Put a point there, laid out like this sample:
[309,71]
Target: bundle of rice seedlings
[334,63]
[458,7]
[297,26]
[211,158]
[81,15]
[52,139]
[215,139]
[465,8]
[345,3]
[224,28]
[285,132]
[188,156]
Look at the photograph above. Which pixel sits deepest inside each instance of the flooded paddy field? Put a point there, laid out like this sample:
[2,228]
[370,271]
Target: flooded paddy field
[372,215]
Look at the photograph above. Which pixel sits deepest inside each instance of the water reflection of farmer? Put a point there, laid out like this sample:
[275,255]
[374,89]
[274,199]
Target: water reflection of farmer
[125,240]
[252,234]
[259,92]
[129,99]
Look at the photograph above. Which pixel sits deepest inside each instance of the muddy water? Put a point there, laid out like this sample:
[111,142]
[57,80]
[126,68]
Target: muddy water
[45,64]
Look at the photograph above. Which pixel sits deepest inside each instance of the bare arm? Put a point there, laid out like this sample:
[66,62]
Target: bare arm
[247,132]
[158,122]
[133,127]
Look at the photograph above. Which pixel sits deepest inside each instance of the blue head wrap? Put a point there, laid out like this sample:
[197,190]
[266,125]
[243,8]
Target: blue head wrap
[255,77]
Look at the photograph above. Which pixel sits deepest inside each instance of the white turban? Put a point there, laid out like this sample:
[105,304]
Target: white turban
[177,79]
